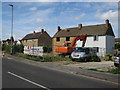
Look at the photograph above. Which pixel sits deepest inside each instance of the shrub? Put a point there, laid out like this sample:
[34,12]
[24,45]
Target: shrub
[108,57]
[16,48]
[117,45]
[95,58]
[8,48]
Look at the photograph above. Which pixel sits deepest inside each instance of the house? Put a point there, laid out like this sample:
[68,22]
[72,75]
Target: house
[6,42]
[14,42]
[100,36]
[36,39]
[19,42]
[117,40]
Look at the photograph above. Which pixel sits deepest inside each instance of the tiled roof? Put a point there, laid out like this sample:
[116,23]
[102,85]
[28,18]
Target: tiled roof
[32,36]
[89,30]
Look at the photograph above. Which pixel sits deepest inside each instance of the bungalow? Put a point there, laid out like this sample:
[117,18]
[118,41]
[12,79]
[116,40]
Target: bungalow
[100,36]
[36,39]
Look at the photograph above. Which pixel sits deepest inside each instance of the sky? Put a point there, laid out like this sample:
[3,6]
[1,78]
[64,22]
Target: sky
[34,16]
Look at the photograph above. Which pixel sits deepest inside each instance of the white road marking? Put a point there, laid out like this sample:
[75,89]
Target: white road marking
[28,80]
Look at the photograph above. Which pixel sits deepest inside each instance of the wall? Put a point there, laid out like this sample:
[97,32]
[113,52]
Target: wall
[101,43]
[45,40]
[110,43]
[30,42]
[59,43]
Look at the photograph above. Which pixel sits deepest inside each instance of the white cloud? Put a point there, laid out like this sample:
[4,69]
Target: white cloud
[79,17]
[112,15]
[39,20]
[33,8]
[38,29]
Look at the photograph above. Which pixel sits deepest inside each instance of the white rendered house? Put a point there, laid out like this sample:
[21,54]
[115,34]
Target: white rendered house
[104,40]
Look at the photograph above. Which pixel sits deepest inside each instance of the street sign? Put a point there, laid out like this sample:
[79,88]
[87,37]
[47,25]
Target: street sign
[37,51]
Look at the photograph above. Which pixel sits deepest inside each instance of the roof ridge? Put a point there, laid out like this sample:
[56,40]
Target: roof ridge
[83,26]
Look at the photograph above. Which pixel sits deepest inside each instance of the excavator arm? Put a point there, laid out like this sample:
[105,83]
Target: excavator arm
[80,37]
[69,49]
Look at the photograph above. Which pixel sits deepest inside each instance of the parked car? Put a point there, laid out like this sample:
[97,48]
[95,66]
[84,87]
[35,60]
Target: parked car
[116,61]
[82,53]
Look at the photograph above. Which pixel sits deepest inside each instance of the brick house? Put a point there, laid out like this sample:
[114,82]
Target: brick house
[99,36]
[37,39]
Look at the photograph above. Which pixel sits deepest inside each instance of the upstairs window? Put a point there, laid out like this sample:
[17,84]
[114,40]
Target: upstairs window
[34,40]
[67,38]
[57,39]
[95,38]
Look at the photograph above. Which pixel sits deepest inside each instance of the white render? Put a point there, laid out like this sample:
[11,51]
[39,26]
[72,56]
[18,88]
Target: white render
[18,42]
[104,43]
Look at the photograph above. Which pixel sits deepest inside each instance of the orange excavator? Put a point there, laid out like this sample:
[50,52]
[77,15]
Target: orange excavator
[68,48]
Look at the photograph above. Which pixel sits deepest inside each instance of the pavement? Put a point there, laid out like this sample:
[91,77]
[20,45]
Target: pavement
[67,69]
[29,74]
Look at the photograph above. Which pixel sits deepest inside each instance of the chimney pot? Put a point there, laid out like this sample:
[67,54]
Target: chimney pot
[107,23]
[79,26]
[58,28]
[42,30]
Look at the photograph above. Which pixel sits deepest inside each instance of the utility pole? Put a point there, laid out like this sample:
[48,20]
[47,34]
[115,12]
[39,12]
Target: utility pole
[11,51]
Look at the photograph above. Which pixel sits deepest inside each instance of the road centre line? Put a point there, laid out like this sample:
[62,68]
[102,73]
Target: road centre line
[28,81]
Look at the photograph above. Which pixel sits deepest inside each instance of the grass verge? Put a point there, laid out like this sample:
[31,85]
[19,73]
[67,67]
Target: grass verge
[113,71]
[47,58]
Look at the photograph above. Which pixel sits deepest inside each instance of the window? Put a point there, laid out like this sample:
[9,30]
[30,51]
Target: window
[81,39]
[26,40]
[58,39]
[34,40]
[96,49]
[95,38]
[67,38]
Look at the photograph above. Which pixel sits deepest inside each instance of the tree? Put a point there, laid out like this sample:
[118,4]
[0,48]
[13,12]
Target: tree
[117,45]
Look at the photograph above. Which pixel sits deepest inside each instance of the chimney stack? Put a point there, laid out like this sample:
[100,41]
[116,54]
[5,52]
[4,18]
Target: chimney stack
[42,30]
[79,26]
[107,23]
[33,32]
[58,28]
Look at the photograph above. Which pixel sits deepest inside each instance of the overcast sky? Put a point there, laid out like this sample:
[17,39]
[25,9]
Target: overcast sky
[30,16]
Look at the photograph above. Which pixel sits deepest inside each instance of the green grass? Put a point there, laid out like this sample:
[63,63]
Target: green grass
[47,58]
[113,71]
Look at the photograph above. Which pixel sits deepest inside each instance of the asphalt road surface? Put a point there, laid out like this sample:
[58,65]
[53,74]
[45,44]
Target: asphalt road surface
[19,75]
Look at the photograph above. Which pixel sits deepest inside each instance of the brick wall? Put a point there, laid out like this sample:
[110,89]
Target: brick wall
[59,43]
[30,42]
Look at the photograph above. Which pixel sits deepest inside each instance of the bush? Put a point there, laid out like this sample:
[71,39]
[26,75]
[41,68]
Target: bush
[16,48]
[117,45]
[47,49]
[95,58]
[108,57]
[8,48]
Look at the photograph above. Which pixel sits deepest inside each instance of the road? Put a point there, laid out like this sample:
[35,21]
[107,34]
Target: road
[20,75]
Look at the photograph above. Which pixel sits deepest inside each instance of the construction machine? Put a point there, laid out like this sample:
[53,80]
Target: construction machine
[68,48]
